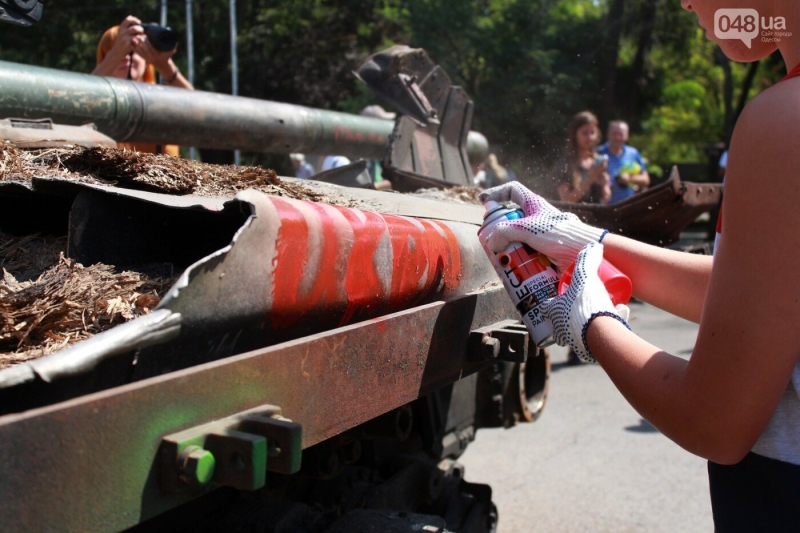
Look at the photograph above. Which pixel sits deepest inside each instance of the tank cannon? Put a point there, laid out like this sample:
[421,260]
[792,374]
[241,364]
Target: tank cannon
[130,111]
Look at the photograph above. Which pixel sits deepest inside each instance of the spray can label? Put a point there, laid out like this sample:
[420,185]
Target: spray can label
[527,275]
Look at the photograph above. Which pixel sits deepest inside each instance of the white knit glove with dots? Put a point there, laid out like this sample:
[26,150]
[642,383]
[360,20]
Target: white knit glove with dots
[586,299]
[558,235]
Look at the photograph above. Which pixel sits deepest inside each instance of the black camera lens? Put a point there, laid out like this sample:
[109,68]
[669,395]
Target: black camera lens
[163,38]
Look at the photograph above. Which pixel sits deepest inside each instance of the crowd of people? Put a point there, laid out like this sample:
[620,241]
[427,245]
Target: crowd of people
[596,173]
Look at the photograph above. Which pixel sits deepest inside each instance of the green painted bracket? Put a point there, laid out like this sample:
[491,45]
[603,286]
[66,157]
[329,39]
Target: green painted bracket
[236,451]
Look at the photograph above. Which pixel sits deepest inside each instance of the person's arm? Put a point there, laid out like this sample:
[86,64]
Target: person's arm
[567,194]
[163,63]
[642,179]
[605,194]
[718,403]
[130,35]
[671,280]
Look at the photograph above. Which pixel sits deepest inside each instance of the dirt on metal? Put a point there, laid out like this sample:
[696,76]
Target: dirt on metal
[152,172]
[459,194]
[48,302]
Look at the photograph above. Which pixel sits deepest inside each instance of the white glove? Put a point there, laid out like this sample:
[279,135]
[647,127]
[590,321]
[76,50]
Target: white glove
[558,235]
[587,298]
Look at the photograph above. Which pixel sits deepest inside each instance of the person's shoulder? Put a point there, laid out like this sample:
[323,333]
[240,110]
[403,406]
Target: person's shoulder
[774,113]
[631,151]
[602,149]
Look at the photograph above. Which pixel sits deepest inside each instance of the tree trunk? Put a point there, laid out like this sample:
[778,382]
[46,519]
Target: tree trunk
[648,21]
[609,74]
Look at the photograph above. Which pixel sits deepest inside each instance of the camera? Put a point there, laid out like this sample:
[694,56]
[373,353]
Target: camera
[163,38]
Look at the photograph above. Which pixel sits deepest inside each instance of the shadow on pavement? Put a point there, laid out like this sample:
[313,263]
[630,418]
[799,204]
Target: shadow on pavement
[643,427]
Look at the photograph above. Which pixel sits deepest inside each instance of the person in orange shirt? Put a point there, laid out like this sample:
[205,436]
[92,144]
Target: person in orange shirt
[124,52]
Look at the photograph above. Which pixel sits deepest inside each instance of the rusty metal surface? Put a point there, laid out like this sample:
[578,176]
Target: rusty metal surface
[297,268]
[430,135]
[131,111]
[30,134]
[292,269]
[95,456]
[371,200]
[656,216]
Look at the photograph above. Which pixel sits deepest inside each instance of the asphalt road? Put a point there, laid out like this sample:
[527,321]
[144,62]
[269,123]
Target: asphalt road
[591,463]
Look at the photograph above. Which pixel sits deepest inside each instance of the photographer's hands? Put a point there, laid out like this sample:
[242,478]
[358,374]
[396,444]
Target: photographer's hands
[132,51]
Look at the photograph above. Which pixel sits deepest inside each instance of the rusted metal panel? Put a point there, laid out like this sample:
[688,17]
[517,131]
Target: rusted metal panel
[430,138]
[35,134]
[95,457]
[656,216]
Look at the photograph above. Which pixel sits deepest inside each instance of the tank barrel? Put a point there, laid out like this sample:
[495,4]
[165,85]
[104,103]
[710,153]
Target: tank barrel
[131,111]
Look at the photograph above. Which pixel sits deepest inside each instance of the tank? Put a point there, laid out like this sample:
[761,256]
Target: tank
[318,364]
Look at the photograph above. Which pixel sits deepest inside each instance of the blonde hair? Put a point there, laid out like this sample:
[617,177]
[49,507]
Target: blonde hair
[107,43]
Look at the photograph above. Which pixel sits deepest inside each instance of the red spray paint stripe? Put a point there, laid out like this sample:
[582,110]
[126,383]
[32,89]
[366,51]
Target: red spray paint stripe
[452,274]
[289,262]
[362,282]
[416,252]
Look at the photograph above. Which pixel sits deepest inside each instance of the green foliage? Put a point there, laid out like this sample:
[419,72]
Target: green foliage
[529,65]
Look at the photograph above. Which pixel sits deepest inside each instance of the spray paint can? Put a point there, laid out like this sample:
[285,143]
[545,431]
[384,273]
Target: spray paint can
[526,274]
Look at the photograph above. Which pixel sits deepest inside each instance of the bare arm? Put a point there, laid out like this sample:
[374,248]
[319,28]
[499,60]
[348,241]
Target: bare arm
[717,404]
[671,280]
[642,179]
[163,63]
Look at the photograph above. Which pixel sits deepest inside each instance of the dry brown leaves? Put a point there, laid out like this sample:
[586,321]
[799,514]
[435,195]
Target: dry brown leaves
[24,165]
[67,302]
[159,173]
[27,257]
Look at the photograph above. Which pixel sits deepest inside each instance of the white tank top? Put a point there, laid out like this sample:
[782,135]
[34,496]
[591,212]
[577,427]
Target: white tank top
[781,438]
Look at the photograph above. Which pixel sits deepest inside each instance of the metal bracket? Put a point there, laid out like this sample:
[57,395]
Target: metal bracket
[502,341]
[236,451]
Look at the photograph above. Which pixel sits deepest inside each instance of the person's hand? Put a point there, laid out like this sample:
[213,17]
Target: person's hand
[596,172]
[559,236]
[160,60]
[129,36]
[586,299]
[624,180]
[130,33]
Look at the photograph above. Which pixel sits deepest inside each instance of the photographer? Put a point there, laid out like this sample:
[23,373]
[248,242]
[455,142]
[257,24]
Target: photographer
[125,52]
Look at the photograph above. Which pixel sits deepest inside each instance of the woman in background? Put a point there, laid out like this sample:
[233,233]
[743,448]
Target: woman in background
[585,178]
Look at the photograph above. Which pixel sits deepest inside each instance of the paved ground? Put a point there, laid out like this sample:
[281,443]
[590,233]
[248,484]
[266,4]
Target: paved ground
[590,463]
